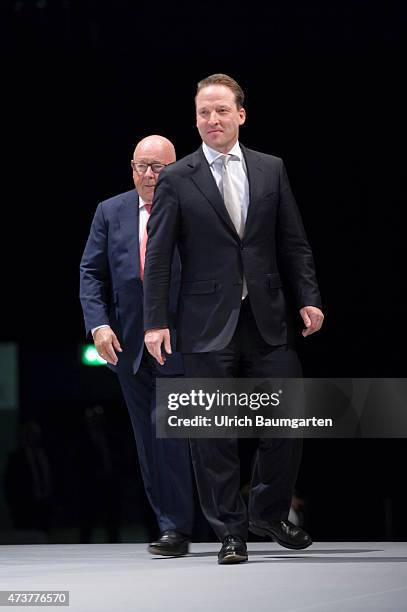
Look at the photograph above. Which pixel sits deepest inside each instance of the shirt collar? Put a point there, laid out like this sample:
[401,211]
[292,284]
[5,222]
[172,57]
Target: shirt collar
[211,155]
[141,203]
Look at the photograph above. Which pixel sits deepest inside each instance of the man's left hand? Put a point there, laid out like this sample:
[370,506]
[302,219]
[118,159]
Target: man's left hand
[313,318]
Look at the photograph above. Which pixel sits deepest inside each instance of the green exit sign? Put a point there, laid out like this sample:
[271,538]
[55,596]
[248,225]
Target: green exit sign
[90,356]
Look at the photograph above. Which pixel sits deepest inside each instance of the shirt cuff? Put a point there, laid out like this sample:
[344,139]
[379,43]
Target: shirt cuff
[98,327]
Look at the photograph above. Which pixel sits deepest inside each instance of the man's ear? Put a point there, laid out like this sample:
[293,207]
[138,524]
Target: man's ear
[242,116]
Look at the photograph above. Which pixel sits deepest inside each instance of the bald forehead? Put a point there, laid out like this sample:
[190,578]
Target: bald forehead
[155,147]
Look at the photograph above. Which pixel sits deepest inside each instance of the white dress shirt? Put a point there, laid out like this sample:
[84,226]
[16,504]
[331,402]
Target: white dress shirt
[142,219]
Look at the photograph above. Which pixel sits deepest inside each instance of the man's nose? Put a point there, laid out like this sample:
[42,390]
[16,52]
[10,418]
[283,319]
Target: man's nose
[149,172]
[213,117]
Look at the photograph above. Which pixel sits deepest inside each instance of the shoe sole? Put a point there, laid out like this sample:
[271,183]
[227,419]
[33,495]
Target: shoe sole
[265,533]
[230,559]
[167,553]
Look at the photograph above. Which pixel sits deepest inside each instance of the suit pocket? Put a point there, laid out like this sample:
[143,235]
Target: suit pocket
[198,287]
[273,281]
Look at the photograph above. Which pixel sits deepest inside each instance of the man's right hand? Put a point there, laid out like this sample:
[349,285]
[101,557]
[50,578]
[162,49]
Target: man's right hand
[106,343]
[154,338]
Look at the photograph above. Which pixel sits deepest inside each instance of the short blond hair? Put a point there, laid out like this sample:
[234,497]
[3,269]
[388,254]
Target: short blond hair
[227,81]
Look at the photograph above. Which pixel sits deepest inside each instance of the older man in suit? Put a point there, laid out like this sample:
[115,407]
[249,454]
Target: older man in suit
[111,293]
[232,215]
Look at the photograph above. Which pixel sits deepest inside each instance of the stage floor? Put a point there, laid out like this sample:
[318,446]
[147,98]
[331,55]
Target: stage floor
[327,577]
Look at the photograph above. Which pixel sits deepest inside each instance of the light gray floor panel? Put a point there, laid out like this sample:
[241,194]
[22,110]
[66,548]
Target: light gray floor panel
[327,577]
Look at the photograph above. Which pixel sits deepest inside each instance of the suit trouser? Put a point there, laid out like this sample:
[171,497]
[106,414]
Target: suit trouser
[165,463]
[216,461]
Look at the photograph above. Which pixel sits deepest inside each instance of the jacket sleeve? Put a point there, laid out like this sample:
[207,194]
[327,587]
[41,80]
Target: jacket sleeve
[294,251]
[94,274]
[163,227]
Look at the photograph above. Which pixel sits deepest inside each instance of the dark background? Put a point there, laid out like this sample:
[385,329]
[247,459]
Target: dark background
[83,82]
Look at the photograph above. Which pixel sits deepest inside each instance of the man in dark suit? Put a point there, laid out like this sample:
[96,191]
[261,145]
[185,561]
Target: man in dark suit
[111,293]
[232,215]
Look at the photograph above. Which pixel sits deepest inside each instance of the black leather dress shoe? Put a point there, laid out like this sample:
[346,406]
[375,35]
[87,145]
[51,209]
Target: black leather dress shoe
[283,532]
[171,543]
[233,550]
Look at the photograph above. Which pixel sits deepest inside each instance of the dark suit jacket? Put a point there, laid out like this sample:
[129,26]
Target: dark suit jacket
[274,253]
[111,291]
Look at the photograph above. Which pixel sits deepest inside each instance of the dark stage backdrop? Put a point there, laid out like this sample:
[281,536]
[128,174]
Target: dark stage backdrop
[83,81]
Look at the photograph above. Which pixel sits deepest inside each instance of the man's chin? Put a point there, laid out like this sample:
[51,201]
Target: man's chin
[216,137]
[148,193]
[216,143]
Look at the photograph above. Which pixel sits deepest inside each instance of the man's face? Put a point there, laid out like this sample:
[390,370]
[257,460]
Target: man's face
[217,117]
[149,152]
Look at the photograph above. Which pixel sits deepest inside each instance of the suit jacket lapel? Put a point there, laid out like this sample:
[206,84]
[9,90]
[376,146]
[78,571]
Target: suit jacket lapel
[203,179]
[255,174]
[129,230]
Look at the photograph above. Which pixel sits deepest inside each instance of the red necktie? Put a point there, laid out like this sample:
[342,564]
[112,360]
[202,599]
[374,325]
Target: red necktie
[143,243]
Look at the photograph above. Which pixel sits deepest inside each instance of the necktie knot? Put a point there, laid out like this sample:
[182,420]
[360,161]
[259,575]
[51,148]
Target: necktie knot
[148,208]
[224,160]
